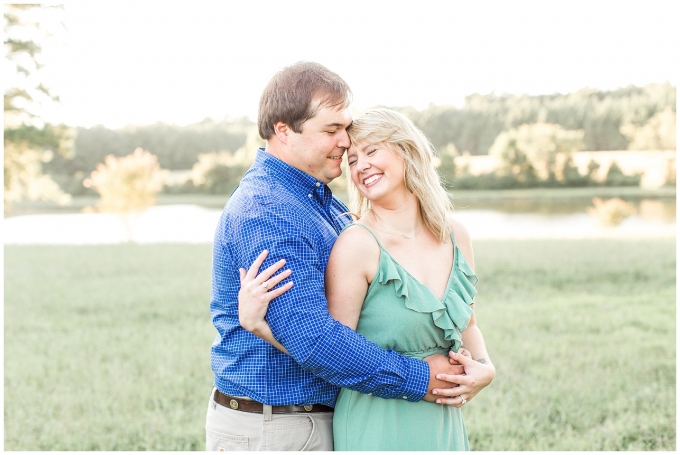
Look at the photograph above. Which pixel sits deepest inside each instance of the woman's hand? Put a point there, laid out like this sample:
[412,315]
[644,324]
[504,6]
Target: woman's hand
[461,351]
[477,376]
[255,294]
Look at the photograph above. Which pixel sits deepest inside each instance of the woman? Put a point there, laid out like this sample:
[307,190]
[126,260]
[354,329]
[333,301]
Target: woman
[402,276]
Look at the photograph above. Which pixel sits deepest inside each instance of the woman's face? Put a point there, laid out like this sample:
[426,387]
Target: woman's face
[376,170]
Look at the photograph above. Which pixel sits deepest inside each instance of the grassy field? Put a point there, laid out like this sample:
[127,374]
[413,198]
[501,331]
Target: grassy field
[107,347]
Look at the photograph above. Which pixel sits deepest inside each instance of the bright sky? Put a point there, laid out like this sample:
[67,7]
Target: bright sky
[141,62]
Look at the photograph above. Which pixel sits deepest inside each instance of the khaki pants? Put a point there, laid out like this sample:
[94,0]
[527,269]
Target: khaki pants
[227,430]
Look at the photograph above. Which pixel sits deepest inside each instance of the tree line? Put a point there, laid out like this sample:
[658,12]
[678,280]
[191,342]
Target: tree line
[599,113]
[606,120]
[533,135]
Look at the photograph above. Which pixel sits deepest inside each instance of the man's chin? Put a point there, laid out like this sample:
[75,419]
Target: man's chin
[332,174]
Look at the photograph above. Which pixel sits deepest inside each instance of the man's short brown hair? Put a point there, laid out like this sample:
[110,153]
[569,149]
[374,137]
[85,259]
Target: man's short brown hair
[296,93]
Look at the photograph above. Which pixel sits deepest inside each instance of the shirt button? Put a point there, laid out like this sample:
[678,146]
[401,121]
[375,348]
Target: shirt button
[405,398]
[309,195]
[370,393]
[317,184]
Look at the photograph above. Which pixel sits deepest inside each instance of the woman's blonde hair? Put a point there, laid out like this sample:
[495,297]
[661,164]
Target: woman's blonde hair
[384,126]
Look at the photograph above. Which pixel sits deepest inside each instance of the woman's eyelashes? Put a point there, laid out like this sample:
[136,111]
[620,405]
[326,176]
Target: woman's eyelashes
[352,159]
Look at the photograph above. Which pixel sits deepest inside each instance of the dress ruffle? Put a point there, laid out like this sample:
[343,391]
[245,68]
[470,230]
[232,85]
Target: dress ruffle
[453,313]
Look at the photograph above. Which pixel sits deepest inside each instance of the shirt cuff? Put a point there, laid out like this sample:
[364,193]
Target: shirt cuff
[417,380]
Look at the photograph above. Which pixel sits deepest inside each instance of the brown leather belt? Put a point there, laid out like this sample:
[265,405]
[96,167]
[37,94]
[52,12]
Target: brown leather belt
[245,405]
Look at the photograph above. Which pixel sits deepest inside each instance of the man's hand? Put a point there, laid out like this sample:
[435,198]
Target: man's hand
[478,374]
[440,364]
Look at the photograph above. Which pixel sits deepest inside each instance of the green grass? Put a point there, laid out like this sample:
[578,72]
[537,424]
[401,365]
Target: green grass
[107,347]
[582,334]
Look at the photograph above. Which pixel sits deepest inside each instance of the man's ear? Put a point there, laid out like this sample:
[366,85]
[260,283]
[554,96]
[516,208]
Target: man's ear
[282,132]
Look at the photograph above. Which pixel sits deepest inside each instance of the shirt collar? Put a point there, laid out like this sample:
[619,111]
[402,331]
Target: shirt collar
[296,180]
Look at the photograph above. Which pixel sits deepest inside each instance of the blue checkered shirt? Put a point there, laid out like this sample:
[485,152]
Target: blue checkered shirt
[291,214]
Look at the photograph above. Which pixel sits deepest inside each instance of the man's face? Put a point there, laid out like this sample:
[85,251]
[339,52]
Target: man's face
[317,150]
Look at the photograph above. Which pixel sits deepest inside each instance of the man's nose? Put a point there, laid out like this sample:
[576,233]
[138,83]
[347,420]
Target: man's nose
[343,140]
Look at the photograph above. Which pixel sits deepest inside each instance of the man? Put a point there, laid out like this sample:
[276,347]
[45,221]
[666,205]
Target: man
[265,399]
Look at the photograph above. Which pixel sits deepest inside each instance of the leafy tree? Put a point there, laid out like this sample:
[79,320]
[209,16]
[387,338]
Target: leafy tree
[599,114]
[221,172]
[658,133]
[539,150]
[447,164]
[127,185]
[177,147]
[28,140]
[611,212]
[616,177]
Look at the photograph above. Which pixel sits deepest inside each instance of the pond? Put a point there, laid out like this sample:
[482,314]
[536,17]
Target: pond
[499,215]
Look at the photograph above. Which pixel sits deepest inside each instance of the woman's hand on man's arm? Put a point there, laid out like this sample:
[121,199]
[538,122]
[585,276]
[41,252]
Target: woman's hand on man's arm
[255,295]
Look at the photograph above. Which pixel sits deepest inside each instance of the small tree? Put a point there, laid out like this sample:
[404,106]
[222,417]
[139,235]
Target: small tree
[611,212]
[28,140]
[540,150]
[657,134]
[616,177]
[127,185]
[221,172]
[447,163]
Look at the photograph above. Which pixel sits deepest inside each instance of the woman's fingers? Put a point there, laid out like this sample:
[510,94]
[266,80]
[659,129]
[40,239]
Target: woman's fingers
[271,295]
[272,282]
[458,379]
[255,266]
[458,357]
[263,279]
[456,402]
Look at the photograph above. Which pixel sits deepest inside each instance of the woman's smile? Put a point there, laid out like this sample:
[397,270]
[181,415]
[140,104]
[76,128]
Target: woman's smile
[372,180]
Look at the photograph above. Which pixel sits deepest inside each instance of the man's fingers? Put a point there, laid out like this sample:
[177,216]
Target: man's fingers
[255,266]
[242,272]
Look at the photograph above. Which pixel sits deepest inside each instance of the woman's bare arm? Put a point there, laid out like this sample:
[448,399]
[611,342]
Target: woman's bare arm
[479,371]
[351,267]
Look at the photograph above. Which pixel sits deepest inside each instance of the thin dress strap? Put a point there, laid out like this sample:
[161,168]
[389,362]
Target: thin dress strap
[366,227]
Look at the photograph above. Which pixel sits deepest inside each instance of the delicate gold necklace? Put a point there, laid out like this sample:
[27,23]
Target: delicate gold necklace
[377,218]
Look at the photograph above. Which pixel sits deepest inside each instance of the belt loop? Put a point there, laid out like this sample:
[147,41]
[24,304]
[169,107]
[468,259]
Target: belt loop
[267,412]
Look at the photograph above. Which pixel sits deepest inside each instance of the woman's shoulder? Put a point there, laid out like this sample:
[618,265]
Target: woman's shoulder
[355,252]
[459,231]
[462,238]
[357,237]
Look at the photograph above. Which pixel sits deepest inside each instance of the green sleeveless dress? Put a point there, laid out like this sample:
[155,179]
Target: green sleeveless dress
[402,314]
